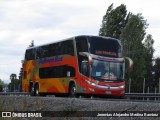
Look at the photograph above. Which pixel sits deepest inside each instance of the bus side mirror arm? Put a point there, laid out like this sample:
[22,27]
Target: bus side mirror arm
[130,62]
[86,54]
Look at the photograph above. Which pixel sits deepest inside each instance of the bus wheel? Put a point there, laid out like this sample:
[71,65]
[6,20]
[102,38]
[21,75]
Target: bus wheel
[36,90]
[72,90]
[31,90]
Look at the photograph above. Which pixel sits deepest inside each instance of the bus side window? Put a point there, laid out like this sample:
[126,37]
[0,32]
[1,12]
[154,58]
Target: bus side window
[82,46]
[57,72]
[67,47]
[30,55]
[85,68]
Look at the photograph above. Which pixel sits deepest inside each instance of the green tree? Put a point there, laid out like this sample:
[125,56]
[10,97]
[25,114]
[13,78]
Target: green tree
[148,44]
[113,21]
[13,77]
[104,27]
[131,30]
[132,36]
[1,82]
[32,44]
[157,71]
[2,85]
[14,85]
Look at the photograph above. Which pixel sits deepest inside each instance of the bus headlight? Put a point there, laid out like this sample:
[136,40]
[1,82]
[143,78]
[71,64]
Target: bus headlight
[122,86]
[91,83]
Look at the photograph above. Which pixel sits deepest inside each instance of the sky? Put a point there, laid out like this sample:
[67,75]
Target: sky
[44,21]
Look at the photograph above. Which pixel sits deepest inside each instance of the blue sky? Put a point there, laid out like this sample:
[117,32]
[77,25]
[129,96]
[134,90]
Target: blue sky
[43,21]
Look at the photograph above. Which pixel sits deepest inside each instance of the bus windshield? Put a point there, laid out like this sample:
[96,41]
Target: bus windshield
[107,71]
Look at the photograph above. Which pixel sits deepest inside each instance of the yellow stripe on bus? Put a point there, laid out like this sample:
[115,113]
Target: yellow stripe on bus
[50,82]
[59,85]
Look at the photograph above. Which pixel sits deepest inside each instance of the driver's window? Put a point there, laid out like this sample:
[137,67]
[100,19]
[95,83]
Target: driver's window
[85,68]
[98,68]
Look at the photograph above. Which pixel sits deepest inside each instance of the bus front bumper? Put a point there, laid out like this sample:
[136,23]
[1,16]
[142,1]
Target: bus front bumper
[106,90]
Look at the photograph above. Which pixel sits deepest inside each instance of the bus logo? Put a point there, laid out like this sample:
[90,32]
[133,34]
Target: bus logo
[6,114]
[53,59]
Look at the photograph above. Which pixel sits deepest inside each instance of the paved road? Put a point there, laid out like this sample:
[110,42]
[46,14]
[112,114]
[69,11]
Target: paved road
[89,108]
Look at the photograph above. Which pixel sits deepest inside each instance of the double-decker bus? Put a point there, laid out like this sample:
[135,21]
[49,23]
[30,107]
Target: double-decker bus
[89,65]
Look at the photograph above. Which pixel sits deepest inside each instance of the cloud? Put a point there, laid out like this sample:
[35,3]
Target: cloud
[22,21]
[8,65]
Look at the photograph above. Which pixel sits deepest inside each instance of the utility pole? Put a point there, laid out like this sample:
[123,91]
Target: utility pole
[144,86]
[159,85]
[129,85]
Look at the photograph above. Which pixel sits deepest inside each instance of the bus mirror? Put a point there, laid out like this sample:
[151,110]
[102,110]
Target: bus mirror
[130,62]
[86,54]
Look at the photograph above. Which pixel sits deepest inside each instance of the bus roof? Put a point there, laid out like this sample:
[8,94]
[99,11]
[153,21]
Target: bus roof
[57,41]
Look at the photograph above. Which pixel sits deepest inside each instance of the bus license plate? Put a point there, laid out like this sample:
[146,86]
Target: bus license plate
[108,92]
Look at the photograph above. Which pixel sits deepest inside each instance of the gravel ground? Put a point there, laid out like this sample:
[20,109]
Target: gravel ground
[63,107]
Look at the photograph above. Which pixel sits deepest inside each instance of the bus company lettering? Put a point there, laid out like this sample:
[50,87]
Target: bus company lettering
[105,52]
[49,60]
[24,114]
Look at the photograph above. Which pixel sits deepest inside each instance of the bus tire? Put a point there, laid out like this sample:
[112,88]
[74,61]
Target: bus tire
[72,90]
[36,90]
[31,91]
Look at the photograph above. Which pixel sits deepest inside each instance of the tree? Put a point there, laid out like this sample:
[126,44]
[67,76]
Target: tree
[2,85]
[113,21]
[32,44]
[148,44]
[1,82]
[13,77]
[103,30]
[14,85]
[157,71]
[131,30]
[132,36]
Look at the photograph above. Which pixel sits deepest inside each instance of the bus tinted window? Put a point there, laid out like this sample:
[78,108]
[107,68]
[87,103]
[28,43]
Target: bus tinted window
[43,51]
[81,44]
[60,48]
[65,47]
[56,72]
[30,54]
[104,47]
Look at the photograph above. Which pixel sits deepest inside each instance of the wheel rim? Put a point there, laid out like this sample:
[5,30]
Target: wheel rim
[73,90]
[32,90]
[37,91]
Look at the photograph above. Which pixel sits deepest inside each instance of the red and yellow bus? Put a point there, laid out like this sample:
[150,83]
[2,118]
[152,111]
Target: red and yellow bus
[89,65]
